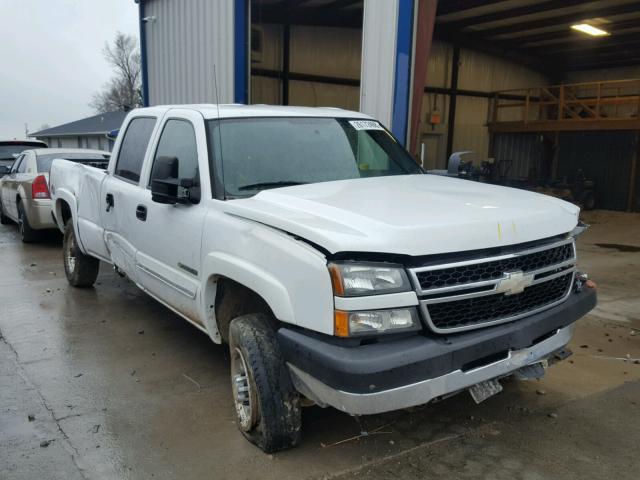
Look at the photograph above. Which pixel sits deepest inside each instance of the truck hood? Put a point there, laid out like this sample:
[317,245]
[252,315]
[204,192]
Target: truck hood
[408,214]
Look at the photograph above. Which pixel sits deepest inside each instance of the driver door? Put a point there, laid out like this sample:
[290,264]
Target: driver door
[168,237]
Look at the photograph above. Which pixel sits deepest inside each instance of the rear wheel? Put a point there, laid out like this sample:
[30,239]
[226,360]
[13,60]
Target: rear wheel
[267,406]
[28,234]
[4,220]
[81,270]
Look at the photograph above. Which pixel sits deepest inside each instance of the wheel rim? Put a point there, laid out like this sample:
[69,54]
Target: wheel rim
[70,256]
[243,395]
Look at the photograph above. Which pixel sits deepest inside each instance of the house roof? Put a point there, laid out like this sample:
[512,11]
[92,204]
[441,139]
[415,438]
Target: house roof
[100,124]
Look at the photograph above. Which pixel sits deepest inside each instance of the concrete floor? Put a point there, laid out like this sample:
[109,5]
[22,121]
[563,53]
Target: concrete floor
[118,387]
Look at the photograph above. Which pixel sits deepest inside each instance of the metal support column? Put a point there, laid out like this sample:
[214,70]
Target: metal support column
[455,67]
[425,22]
[286,62]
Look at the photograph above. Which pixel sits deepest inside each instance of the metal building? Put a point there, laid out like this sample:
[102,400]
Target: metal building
[189,46]
[478,75]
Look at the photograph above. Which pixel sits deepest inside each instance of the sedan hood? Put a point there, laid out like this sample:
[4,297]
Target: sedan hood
[408,214]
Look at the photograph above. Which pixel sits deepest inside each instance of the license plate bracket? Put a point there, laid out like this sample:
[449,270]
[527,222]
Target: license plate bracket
[483,390]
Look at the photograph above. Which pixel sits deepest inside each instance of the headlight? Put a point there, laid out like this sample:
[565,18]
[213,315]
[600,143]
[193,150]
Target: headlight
[348,324]
[356,279]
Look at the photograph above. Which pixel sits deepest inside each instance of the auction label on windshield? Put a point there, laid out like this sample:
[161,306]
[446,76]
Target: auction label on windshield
[365,125]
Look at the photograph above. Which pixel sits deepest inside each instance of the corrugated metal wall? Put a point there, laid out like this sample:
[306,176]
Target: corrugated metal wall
[184,42]
[603,74]
[378,58]
[604,157]
[519,153]
[488,73]
[479,72]
[635,206]
[325,51]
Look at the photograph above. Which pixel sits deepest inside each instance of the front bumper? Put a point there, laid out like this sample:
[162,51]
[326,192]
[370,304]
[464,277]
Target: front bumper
[392,375]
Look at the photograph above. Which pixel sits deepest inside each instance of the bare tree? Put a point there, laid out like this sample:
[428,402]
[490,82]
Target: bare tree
[123,91]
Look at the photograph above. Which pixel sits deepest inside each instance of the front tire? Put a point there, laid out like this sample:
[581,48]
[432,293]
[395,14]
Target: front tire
[81,270]
[267,406]
[28,234]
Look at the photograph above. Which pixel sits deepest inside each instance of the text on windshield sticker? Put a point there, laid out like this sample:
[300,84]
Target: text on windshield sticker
[365,125]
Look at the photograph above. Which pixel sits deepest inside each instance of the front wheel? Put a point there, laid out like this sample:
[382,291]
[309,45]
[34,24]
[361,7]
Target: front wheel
[267,406]
[81,270]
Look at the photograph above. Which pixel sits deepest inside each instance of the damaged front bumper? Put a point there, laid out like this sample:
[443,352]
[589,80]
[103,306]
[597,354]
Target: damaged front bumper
[370,379]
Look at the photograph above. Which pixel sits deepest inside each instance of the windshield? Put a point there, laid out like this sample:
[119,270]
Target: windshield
[94,159]
[261,153]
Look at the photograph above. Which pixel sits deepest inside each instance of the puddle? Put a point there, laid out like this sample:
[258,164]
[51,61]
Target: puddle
[619,247]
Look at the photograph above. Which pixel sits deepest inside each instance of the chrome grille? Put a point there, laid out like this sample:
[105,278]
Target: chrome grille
[487,291]
[492,270]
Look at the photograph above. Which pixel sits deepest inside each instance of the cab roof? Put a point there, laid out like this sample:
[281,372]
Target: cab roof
[210,111]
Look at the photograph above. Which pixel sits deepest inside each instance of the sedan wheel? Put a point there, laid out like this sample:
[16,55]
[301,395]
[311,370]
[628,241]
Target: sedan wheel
[27,233]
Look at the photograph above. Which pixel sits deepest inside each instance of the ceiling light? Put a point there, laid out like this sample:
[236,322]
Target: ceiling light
[589,29]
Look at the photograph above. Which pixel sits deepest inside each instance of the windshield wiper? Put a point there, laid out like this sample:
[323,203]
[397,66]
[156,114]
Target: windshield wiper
[265,185]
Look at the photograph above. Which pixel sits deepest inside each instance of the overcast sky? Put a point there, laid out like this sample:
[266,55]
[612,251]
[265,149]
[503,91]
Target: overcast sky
[51,58]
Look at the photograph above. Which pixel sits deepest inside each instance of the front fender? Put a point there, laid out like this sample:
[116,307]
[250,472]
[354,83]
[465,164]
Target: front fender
[253,277]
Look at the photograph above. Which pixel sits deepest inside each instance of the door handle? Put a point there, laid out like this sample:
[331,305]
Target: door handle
[141,212]
[109,200]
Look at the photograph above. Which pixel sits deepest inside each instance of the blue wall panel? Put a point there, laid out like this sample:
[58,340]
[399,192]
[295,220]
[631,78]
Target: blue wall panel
[402,84]
[241,47]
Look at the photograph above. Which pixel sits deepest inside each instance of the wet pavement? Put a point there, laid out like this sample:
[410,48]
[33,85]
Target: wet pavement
[107,383]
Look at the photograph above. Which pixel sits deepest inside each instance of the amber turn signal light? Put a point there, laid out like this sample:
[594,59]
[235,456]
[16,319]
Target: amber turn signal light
[341,324]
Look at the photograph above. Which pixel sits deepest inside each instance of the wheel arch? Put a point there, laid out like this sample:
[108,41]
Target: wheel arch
[235,287]
[66,208]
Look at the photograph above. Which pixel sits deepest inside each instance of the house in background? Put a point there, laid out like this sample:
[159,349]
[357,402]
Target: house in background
[89,132]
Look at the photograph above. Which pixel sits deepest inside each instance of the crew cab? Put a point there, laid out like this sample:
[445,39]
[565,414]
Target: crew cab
[338,272]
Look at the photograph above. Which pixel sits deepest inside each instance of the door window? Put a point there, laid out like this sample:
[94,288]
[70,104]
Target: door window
[178,140]
[16,164]
[23,165]
[133,147]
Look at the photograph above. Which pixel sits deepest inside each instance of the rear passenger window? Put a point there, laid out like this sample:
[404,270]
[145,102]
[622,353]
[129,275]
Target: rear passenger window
[23,165]
[134,145]
[16,164]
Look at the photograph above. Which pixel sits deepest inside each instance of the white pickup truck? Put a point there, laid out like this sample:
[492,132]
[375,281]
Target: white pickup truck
[336,270]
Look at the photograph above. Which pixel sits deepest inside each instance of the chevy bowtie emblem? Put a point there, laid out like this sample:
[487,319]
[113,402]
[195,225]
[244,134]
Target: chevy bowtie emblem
[514,282]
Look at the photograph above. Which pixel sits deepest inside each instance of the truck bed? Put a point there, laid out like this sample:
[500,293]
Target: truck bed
[74,182]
